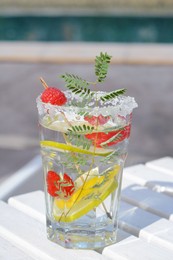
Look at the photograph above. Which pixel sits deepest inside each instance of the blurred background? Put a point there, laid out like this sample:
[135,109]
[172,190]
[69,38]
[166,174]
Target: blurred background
[49,37]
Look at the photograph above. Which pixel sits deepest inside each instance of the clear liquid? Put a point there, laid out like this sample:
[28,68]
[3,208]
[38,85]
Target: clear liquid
[88,217]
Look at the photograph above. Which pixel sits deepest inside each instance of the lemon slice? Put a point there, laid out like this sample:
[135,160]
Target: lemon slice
[57,123]
[88,196]
[75,149]
[87,175]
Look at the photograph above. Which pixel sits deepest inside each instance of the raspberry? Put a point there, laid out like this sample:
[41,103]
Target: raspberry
[58,187]
[52,182]
[53,96]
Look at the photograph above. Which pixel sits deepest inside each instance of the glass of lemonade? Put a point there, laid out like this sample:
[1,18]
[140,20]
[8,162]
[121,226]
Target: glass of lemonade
[84,147]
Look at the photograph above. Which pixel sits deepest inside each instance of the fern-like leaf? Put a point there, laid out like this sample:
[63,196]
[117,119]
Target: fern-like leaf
[76,135]
[70,161]
[72,79]
[83,113]
[111,157]
[101,66]
[77,85]
[114,138]
[113,94]
[79,140]
[78,129]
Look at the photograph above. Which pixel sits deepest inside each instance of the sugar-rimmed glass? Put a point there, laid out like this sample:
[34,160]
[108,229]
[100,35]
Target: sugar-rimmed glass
[83,152]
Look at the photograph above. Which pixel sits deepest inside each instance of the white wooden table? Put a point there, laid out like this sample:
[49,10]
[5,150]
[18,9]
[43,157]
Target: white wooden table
[145,223]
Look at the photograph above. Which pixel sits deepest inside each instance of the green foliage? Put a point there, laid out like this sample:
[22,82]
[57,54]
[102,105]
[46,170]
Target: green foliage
[76,135]
[79,140]
[71,161]
[101,66]
[113,94]
[110,157]
[114,138]
[78,129]
[71,79]
[80,87]
[83,113]
[82,103]
[77,85]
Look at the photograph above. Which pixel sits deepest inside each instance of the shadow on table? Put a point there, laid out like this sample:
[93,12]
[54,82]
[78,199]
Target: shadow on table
[161,187]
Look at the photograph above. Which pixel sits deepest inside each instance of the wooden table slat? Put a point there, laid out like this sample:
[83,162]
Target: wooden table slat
[156,180]
[149,200]
[133,248]
[164,164]
[32,204]
[152,228]
[10,252]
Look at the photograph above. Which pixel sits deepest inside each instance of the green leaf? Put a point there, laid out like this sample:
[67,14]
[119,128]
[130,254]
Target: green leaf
[101,66]
[79,140]
[69,160]
[84,129]
[111,157]
[77,85]
[114,138]
[76,135]
[72,79]
[113,94]
[83,113]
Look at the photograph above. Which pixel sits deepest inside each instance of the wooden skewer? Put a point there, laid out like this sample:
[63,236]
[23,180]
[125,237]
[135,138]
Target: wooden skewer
[43,83]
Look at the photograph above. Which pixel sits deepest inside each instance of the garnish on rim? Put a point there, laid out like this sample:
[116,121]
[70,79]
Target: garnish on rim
[81,135]
[80,86]
[52,95]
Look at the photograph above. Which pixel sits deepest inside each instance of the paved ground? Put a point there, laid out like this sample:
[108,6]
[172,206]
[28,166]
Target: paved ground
[152,86]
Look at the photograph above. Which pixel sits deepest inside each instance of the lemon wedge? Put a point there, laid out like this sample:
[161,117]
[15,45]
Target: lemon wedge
[89,195]
[75,149]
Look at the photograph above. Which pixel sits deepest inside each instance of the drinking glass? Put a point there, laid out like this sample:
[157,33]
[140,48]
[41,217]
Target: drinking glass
[83,153]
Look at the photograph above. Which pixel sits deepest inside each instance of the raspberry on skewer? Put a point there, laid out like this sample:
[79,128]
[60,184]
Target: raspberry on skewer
[52,95]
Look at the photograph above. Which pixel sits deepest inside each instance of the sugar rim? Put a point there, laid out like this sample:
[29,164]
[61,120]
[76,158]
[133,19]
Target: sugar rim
[121,105]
